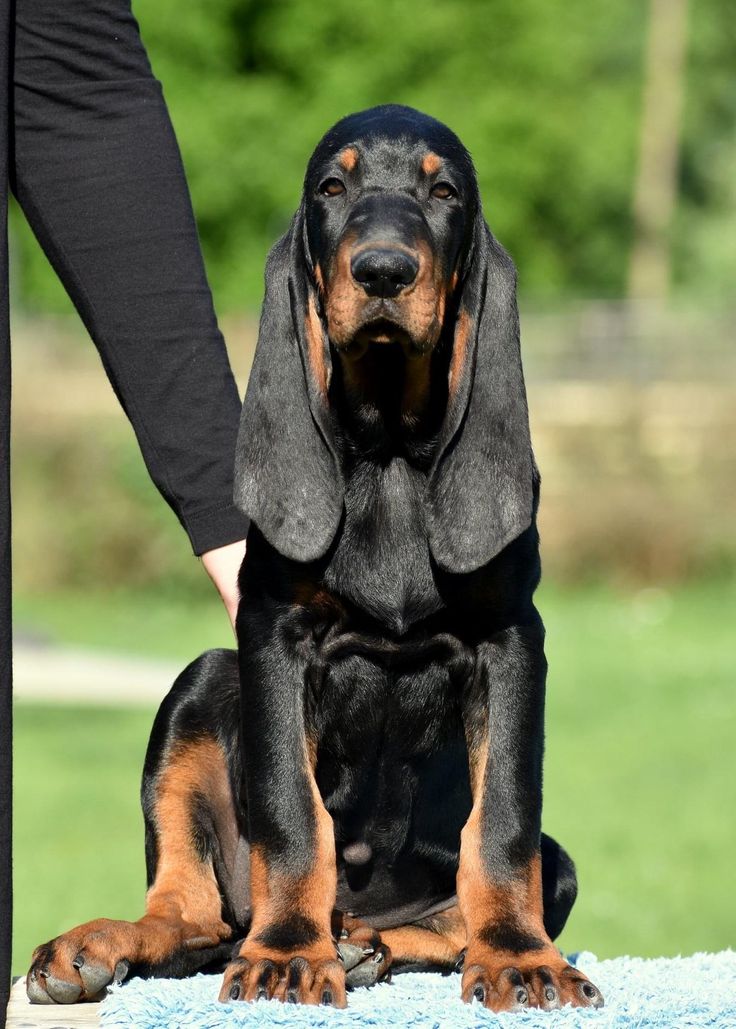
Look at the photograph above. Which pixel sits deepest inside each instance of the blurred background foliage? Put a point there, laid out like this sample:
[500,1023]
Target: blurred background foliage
[546,95]
[631,399]
[551,99]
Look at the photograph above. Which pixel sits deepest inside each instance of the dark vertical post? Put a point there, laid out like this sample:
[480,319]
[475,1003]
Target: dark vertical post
[6,726]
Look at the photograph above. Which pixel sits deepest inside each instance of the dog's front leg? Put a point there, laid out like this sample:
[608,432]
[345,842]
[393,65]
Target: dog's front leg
[510,961]
[289,952]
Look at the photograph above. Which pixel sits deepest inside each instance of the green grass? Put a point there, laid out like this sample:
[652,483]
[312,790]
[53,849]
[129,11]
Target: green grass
[144,624]
[78,828]
[640,765]
[639,781]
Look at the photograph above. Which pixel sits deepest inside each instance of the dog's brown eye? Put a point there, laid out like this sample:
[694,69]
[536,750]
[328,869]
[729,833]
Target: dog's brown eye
[332,188]
[443,191]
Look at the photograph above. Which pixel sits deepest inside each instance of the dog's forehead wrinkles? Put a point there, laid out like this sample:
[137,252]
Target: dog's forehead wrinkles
[388,137]
[390,164]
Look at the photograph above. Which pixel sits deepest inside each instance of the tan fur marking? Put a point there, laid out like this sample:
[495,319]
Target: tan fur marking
[315,346]
[185,887]
[259,887]
[440,944]
[477,759]
[481,900]
[459,349]
[516,902]
[410,943]
[437,939]
[348,158]
[319,280]
[183,906]
[431,163]
[421,305]
[308,593]
[275,896]
[484,902]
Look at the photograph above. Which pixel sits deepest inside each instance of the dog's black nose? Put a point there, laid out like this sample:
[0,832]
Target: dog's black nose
[384,271]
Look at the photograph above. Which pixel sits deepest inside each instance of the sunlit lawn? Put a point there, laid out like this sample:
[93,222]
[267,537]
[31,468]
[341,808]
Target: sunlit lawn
[639,785]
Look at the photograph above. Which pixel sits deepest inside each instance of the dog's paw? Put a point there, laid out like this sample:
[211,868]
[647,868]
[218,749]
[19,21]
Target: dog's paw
[530,980]
[80,964]
[315,976]
[367,960]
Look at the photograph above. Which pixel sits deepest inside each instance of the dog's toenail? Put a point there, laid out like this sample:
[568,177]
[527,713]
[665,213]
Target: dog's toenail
[234,991]
[78,961]
[327,997]
[479,993]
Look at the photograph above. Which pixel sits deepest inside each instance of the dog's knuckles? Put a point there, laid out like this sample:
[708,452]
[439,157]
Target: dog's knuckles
[81,963]
[314,976]
[537,979]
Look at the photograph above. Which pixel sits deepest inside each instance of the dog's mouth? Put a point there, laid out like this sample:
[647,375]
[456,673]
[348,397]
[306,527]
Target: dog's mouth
[382,328]
[378,334]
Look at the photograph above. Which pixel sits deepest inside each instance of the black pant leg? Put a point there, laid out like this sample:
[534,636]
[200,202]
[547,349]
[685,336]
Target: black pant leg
[98,173]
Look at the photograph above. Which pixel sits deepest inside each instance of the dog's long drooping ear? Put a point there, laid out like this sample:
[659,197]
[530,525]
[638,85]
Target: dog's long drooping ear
[481,486]
[287,477]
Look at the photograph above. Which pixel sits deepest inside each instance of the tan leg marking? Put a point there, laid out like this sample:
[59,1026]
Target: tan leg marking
[510,962]
[183,906]
[308,973]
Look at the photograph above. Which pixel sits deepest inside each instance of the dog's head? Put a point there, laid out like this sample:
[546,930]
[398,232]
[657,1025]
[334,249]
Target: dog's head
[390,199]
[388,246]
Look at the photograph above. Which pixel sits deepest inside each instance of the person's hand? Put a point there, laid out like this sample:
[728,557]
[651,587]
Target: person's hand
[222,566]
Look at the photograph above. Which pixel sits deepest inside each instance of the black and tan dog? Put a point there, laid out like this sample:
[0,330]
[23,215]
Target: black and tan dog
[360,788]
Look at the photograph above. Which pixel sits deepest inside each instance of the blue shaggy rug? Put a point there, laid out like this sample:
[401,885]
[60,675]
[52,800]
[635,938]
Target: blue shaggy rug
[670,993]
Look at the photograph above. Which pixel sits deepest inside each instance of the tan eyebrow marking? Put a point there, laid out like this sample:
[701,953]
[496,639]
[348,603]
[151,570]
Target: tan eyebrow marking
[348,158]
[431,163]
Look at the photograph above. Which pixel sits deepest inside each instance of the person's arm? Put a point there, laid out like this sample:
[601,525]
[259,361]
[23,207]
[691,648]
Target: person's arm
[98,174]
[223,565]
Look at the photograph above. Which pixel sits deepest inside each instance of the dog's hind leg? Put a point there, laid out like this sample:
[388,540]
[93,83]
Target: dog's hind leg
[434,943]
[559,886]
[193,851]
[182,928]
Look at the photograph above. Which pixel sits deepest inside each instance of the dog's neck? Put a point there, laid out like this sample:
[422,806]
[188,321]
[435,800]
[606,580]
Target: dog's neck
[387,404]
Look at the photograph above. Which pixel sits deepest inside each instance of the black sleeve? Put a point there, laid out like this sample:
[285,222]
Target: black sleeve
[97,171]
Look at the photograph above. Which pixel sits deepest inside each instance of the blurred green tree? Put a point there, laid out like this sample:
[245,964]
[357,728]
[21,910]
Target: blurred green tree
[546,96]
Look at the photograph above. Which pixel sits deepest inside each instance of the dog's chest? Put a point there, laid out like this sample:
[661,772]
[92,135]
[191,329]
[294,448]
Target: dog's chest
[381,562]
